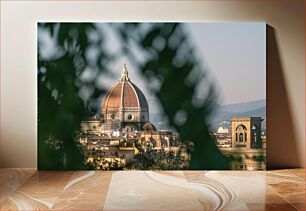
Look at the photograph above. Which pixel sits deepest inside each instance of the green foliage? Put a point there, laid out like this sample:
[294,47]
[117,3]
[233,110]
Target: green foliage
[100,161]
[60,108]
[152,159]
[260,158]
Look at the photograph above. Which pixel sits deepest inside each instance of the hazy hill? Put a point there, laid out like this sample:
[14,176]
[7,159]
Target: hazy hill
[243,107]
[223,113]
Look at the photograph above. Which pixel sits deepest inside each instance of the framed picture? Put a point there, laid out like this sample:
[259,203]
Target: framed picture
[152,96]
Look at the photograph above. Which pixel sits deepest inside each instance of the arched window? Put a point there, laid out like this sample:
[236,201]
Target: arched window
[254,137]
[241,137]
[153,142]
[113,116]
[241,133]
[241,127]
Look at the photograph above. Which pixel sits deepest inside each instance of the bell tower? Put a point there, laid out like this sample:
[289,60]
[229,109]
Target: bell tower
[246,132]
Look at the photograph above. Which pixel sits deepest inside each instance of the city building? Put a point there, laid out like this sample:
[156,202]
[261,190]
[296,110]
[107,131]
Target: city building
[222,129]
[247,151]
[223,139]
[246,132]
[111,138]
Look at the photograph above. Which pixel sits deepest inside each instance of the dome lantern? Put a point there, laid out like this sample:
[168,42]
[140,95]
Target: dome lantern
[124,74]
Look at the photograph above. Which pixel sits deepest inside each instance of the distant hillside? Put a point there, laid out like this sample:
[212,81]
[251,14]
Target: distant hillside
[223,113]
[256,112]
[243,107]
[159,121]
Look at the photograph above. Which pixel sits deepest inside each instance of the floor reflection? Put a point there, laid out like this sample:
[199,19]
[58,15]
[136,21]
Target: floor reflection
[28,189]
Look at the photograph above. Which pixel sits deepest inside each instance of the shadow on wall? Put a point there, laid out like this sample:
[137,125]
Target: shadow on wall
[281,140]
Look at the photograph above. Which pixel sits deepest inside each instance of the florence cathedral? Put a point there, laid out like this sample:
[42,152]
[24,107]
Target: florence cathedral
[123,128]
[124,110]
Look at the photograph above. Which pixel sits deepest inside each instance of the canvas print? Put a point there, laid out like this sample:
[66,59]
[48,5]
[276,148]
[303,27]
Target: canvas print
[151,96]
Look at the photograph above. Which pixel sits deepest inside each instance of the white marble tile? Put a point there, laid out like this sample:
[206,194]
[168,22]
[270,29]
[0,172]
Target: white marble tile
[25,189]
[12,179]
[85,191]
[247,187]
[149,190]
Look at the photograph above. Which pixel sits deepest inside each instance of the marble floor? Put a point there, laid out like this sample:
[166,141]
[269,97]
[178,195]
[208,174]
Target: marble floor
[29,189]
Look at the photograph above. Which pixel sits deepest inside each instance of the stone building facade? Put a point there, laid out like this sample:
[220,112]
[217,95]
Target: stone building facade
[247,151]
[246,132]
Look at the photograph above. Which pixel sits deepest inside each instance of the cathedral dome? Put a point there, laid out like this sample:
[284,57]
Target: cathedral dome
[124,94]
[149,127]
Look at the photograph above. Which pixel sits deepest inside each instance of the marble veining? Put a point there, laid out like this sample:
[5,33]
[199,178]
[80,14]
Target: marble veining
[28,189]
[85,191]
[78,179]
[12,179]
[146,190]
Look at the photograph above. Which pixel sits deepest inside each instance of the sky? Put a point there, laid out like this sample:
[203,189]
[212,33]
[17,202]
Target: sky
[234,54]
